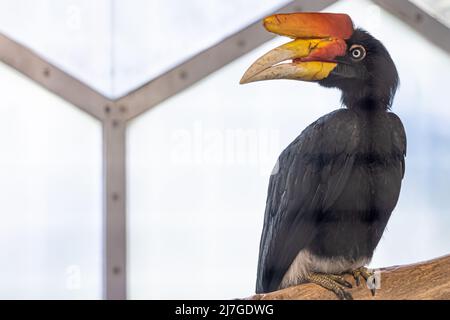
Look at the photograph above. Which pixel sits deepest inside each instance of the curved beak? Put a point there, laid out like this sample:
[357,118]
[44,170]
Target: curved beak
[320,38]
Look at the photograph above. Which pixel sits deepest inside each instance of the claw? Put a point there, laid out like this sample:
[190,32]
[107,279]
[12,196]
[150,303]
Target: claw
[372,287]
[347,284]
[366,274]
[358,282]
[343,295]
[356,275]
[348,295]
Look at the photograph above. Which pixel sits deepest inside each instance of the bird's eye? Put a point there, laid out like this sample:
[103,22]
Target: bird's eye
[357,52]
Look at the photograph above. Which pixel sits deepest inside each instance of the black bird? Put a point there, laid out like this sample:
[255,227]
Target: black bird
[335,186]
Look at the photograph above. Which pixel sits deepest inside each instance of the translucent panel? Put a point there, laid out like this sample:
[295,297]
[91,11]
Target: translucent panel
[116,46]
[199,166]
[50,186]
[437,8]
[74,35]
[161,34]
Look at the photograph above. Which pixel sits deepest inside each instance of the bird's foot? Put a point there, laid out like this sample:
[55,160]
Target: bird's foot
[332,282]
[368,276]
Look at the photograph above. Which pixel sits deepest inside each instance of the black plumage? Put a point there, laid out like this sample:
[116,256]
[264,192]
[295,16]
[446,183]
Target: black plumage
[335,186]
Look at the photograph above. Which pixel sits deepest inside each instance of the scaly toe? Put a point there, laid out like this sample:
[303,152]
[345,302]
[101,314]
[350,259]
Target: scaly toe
[341,280]
[332,282]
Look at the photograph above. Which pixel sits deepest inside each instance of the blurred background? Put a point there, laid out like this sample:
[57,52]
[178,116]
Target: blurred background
[197,163]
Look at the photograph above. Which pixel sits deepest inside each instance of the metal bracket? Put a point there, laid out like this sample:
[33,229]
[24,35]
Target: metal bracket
[114,165]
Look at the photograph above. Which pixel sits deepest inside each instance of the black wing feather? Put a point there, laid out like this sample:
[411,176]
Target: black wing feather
[398,138]
[309,176]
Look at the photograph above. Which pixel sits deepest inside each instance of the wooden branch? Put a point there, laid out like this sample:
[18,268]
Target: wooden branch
[425,280]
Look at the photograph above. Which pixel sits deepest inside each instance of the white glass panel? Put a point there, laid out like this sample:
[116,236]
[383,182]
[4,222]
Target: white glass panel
[199,166]
[153,36]
[116,46]
[50,187]
[74,35]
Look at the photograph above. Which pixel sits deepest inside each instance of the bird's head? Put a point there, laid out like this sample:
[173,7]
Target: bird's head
[328,50]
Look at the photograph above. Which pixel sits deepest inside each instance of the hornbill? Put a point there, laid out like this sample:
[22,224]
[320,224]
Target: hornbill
[335,186]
